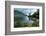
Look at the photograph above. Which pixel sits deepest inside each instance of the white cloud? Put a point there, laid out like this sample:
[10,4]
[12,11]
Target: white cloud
[26,11]
[32,11]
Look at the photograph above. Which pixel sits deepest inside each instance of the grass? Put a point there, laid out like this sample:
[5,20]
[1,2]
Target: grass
[19,24]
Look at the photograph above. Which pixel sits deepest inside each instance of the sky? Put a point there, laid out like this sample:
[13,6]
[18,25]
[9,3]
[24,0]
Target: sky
[26,10]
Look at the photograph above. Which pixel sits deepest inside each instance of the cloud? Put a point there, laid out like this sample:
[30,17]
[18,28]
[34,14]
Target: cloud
[33,11]
[26,11]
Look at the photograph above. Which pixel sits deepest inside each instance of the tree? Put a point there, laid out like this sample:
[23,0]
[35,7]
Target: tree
[36,14]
